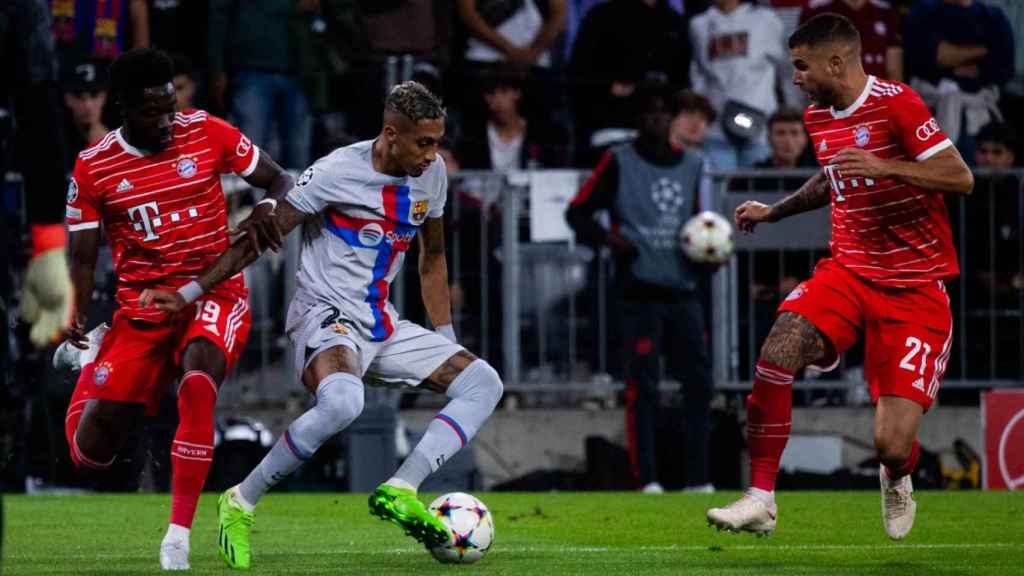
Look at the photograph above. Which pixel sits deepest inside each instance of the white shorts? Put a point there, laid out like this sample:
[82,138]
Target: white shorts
[405,359]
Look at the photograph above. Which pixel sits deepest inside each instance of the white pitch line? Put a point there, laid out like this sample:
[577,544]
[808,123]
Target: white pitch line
[605,549]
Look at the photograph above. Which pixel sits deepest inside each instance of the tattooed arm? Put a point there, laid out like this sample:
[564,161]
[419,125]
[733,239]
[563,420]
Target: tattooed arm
[814,194]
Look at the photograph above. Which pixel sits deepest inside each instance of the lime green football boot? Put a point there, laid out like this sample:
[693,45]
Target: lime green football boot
[402,507]
[235,525]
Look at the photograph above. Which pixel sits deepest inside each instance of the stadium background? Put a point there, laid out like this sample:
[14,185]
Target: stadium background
[303,77]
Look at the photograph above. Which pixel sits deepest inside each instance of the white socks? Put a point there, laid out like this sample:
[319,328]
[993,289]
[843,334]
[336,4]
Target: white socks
[474,393]
[339,400]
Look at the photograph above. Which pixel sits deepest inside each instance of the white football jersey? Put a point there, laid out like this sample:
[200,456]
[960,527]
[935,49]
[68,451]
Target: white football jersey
[370,220]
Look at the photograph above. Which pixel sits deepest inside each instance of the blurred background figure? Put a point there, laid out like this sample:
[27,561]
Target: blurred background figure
[256,55]
[516,32]
[99,29]
[510,138]
[184,82]
[85,95]
[689,126]
[739,56]
[31,141]
[603,75]
[960,54]
[993,272]
[788,142]
[650,189]
[513,33]
[386,43]
[880,30]
[995,147]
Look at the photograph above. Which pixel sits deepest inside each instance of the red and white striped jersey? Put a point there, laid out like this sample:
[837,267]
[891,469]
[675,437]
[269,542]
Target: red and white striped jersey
[164,214]
[886,231]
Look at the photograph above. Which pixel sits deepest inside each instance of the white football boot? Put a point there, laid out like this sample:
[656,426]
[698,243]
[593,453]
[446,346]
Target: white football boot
[653,488]
[898,505]
[174,549]
[68,357]
[174,555]
[751,513]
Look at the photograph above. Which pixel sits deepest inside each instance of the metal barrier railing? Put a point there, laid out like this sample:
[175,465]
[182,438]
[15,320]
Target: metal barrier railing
[987,299]
[542,310]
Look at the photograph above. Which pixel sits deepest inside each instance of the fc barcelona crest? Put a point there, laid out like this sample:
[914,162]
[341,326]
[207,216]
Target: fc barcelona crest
[419,211]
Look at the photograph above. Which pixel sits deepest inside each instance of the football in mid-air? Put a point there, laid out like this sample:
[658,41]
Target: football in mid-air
[707,238]
[471,525]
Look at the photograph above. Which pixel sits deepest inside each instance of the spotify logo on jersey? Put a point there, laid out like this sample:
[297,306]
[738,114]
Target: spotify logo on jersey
[371,234]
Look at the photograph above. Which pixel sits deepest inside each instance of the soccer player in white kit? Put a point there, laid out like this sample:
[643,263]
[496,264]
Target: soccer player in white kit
[371,199]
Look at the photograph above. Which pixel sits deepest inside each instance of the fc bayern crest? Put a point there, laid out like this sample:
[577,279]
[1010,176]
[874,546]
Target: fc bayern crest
[186,167]
[102,373]
[861,136]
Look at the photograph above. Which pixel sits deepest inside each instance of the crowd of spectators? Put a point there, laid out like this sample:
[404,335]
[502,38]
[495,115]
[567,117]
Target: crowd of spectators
[301,76]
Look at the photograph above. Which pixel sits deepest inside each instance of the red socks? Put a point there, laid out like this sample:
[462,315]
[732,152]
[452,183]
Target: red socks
[908,466]
[769,414]
[192,450]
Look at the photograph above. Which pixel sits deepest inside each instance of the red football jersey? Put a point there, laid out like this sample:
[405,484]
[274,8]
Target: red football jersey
[884,230]
[164,214]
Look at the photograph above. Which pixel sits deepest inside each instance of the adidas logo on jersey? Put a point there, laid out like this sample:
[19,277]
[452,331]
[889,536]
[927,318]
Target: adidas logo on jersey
[823,147]
[124,186]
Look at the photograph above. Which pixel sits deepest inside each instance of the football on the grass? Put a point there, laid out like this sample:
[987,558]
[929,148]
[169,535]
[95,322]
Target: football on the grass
[471,525]
[707,237]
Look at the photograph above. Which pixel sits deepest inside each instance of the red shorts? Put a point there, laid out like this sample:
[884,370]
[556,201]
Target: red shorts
[138,360]
[907,331]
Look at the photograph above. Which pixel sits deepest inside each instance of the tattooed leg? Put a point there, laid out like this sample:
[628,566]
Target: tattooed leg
[440,379]
[794,343]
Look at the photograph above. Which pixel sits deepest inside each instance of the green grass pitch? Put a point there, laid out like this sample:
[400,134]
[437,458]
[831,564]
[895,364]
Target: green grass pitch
[608,534]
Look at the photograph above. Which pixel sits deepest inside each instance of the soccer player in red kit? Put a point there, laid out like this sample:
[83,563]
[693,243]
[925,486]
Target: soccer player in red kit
[887,165]
[154,184]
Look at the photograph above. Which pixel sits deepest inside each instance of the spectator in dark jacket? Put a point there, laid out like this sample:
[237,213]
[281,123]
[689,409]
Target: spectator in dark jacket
[967,41]
[510,139]
[620,43]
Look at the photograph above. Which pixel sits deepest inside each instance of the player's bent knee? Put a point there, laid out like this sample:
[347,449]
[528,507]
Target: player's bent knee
[480,382]
[492,388]
[891,451]
[340,398]
[81,458]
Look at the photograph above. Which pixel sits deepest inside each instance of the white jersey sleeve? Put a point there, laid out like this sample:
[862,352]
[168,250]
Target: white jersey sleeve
[315,189]
[437,208]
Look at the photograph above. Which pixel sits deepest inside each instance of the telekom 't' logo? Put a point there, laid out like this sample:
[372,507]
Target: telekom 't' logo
[142,217]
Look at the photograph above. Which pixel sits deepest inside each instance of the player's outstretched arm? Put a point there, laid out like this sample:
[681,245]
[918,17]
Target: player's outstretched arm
[434,273]
[285,217]
[259,225]
[814,194]
[943,172]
